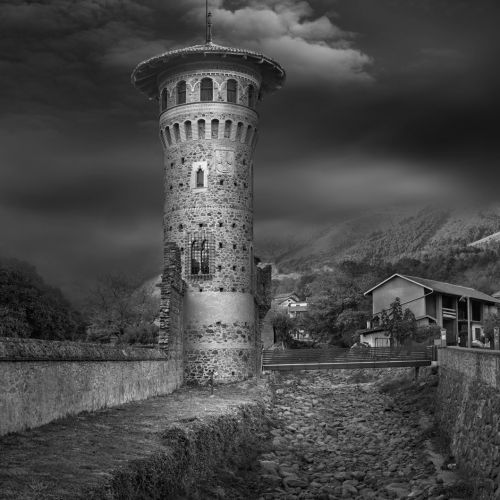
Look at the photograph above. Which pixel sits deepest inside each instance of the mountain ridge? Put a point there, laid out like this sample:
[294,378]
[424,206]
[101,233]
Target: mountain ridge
[387,235]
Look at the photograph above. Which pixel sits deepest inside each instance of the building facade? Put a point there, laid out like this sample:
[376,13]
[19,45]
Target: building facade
[208,125]
[459,310]
[291,305]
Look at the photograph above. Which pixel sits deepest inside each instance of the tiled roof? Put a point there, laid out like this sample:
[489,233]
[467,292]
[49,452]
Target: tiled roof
[145,75]
[284,296]
[449,289]
[442,287]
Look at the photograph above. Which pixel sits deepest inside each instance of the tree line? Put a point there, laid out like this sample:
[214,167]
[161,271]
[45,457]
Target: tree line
[116,309]
[338,307]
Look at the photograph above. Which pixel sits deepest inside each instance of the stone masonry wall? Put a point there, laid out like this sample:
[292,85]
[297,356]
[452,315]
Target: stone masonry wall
[468,413]
[172,307]
[215,138]
[46,380]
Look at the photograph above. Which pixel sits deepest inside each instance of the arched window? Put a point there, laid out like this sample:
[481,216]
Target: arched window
[227,129]
[201,129]
[251,96]
[200,178]
[188,130]
[231,91]
[215,129]
[239,131]
[181,92]
[177,132]
[207,90]
[168,136]
[195,257]
[164,99]
[204,257]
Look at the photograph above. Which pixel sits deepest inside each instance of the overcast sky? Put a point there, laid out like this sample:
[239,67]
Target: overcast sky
[385,102]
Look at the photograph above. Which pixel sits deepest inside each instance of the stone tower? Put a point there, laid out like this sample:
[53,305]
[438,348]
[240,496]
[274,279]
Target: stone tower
[208,96]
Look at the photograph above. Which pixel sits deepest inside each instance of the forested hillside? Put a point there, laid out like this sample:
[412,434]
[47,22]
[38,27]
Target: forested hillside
[334,270]
[388,235]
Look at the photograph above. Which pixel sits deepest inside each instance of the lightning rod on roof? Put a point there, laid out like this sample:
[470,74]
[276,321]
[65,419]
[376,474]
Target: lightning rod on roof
[208,29]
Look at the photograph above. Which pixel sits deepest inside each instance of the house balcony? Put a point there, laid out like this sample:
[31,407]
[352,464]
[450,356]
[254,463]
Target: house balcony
[449,313]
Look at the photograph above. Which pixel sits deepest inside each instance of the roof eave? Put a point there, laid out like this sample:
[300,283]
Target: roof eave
[147,71]
[402,276]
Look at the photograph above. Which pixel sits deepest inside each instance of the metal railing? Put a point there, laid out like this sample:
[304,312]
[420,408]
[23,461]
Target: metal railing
[339,358]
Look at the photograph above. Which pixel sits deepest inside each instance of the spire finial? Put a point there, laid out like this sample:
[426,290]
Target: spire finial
[209,24]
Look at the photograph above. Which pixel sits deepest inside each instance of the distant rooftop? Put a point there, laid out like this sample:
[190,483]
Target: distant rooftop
[283,296]
[145,75]
[442,287]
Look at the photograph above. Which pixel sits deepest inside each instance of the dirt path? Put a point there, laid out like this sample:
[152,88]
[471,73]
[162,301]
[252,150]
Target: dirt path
[76,454]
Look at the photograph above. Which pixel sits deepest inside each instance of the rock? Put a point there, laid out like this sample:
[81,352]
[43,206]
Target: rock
[269,467]
[341,476]
[294,482]
[399,490]
[270,480]
[367,493]
[359,475]
[349,489]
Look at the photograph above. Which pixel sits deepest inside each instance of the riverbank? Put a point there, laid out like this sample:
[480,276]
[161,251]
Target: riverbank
[160,448]
[326,435]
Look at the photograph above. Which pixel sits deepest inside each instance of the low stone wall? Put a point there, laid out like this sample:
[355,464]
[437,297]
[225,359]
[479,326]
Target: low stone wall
[46,380]
[468,412]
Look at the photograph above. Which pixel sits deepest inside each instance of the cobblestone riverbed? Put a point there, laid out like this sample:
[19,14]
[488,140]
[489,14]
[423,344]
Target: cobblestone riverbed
[334,438]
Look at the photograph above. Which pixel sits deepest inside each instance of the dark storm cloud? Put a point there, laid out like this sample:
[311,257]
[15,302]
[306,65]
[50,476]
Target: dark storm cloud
[385,101]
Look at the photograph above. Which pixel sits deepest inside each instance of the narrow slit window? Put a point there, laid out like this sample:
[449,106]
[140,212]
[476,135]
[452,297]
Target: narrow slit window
[164,99]
[188,130]
[239,132]
[200,178]
[227,129]
[201,129]
[251,96]
[207,89]
[231,91]
[254,138]
[249,134]
[168,137]
[177,132]
[215,129]
[181,92]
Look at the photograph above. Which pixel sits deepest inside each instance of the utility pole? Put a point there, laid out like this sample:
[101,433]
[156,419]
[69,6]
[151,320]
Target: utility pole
[469,329]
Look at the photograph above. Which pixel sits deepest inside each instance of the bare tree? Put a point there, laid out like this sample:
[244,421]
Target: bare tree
[119,305]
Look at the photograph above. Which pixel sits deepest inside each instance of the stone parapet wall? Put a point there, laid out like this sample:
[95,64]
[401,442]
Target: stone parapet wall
[16,349]
[46,380]
[468,412]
